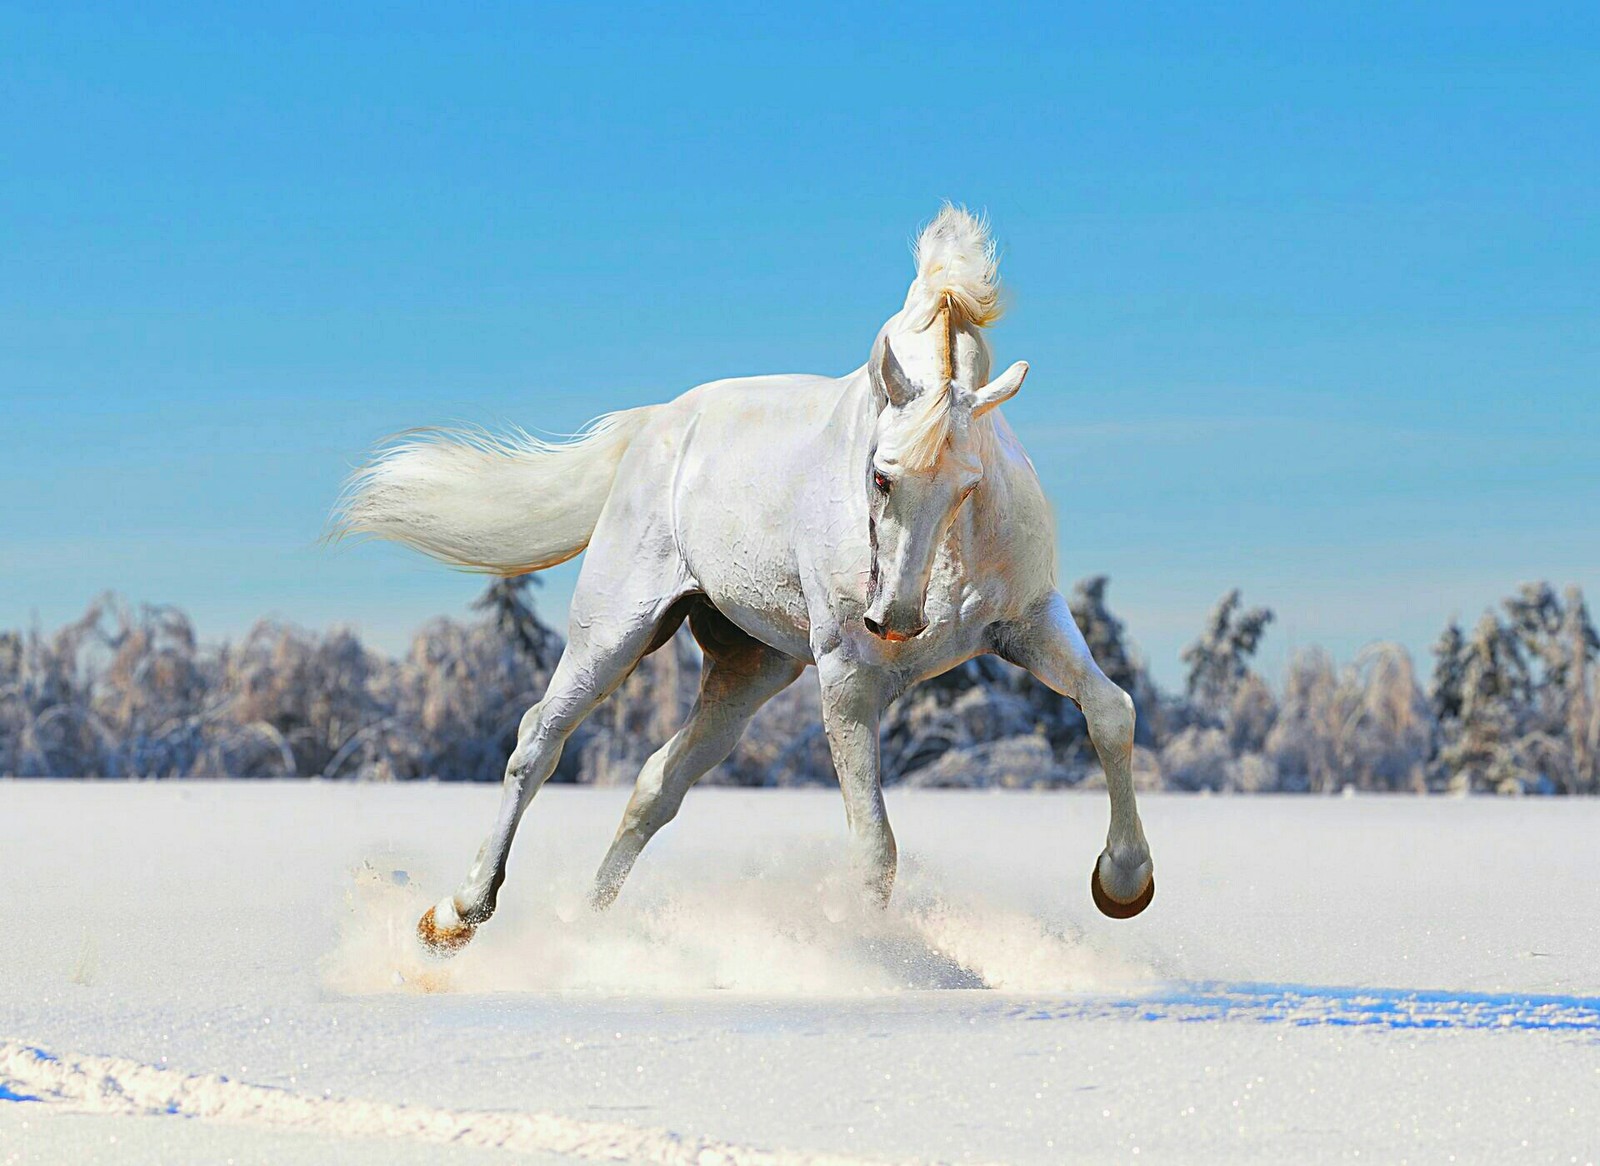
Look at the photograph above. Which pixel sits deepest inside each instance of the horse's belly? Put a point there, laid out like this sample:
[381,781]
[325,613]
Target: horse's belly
[782,630]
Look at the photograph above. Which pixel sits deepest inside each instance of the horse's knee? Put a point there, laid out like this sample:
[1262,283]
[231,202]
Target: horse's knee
[1110,711]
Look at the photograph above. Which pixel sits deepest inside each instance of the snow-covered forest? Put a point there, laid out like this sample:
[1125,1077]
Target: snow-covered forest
[1509,706]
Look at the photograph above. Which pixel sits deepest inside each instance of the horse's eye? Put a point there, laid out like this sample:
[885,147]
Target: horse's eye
[881,481]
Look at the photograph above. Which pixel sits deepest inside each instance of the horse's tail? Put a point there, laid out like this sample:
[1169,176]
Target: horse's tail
[502,504]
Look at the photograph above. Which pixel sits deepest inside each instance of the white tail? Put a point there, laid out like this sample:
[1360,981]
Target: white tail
[501,504]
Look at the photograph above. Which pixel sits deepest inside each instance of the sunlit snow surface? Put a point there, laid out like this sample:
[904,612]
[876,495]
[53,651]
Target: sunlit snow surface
[204,972]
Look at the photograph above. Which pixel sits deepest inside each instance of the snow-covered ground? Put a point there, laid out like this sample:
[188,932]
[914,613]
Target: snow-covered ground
[209,973]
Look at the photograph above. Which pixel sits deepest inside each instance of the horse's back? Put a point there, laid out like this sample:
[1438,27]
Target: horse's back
[782,401]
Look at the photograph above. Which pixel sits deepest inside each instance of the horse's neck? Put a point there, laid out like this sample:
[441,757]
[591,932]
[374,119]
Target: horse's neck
[855,419]
[1009,522]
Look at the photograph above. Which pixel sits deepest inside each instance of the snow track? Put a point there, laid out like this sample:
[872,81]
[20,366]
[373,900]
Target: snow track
[117,1086]
[1308,1005]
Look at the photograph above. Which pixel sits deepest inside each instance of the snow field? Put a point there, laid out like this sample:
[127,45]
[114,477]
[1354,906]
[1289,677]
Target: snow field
[738,1002]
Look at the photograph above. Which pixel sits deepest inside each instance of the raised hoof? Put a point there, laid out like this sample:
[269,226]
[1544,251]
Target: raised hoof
[1114,908]
[443,941]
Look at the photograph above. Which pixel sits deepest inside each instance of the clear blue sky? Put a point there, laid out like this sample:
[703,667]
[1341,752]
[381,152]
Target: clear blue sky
[1312,296]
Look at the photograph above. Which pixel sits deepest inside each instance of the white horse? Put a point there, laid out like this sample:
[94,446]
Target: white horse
[885,526]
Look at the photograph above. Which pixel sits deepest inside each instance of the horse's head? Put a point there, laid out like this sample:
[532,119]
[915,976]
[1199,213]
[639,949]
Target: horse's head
[930,374]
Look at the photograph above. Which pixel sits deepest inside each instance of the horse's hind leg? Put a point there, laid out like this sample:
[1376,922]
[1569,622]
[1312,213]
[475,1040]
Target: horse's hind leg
[740,675]
[599,656]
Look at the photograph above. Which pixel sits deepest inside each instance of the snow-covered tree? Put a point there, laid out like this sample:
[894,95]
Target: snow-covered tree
[1219,661]
[1366,726]
[1480,748]
[508,604]
[130,691]
[1558,644]
[1580,711]
[1514,701]
[1449,673]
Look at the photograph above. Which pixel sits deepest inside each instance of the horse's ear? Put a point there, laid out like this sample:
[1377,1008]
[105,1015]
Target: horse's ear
[890,377]
[999,390]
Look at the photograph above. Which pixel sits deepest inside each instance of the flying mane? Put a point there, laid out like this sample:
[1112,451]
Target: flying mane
[957,268]
[957,283]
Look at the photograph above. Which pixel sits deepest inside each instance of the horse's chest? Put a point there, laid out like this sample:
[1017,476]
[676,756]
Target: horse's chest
[959,612]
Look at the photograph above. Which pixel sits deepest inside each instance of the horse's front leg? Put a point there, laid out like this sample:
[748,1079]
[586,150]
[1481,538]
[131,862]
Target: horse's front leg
[1047,642]
[853,699]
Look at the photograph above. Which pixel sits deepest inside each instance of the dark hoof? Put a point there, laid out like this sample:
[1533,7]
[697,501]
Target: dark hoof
[443,941]
[1113,907]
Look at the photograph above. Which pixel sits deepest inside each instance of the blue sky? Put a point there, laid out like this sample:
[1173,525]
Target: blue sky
[1310,295]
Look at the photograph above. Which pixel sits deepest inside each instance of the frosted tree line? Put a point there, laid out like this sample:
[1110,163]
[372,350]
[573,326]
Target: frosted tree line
[1511,706]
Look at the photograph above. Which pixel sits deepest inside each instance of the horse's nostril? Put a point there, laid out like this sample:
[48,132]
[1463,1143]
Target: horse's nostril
[890,634]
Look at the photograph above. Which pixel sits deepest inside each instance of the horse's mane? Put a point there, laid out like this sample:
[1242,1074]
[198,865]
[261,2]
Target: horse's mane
[956,266]
[957,282]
